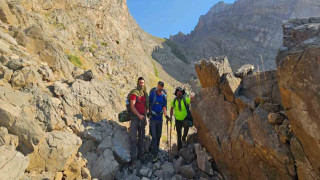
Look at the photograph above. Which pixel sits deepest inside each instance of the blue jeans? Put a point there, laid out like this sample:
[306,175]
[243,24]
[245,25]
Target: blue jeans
[155,128]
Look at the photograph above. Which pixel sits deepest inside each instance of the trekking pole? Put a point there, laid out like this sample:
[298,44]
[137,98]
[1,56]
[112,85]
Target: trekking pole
[170,140]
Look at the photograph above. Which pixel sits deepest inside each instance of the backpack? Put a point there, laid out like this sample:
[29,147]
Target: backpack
[189,117]
[155,98]
[127,114]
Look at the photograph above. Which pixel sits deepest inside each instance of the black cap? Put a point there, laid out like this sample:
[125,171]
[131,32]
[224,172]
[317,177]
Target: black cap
[161,83]
[180,89]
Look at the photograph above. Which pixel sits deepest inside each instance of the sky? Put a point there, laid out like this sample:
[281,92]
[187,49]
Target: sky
[163,18]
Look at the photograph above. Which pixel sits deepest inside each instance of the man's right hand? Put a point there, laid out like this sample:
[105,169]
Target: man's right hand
[141,117]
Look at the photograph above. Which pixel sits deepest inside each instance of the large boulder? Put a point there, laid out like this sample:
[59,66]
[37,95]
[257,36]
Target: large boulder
[12,163]
[45,110]
[98,99]
[56,154]
[243,144]
[299,84]
[13,117]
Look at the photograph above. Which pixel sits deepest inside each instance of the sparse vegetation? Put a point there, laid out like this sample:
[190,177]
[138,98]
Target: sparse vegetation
[156,73]
[75,60]
[60,26]
[94,46]
[176,51]
[104,44]
[91,50]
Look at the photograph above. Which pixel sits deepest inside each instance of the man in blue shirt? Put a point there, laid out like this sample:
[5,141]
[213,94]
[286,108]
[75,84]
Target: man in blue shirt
[158,107]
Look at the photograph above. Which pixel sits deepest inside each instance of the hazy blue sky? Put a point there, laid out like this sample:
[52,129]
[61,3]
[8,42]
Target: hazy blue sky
[164,17]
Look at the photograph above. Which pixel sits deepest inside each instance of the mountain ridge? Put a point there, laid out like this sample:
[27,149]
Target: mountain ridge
[243,31]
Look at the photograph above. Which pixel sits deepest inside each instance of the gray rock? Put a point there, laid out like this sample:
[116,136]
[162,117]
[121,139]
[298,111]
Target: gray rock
[157,165]
[145,171]
[187,171]
[159,173]
[244,70]
[314,19]
[46,73]
[61,89]
[86,76]
[15,65]
[86,146]
[12,163]
[105,144]
[187,154]
[121,145]
[167,167]
[92,134]
[204,160]
[177,164]
[46,111]
[105,167]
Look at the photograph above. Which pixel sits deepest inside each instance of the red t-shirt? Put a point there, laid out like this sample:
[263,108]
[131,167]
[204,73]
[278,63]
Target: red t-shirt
[140,104]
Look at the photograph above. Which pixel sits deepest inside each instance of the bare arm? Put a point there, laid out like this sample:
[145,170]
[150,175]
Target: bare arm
[133,109]
[171,112]
[165,111]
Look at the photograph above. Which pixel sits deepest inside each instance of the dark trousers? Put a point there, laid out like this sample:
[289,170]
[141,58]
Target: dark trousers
[179,125]
[137,134]
[155,130]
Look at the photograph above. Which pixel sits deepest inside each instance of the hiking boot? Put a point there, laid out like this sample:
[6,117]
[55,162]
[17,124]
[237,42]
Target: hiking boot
[132,165]
[155,158]
[184,143]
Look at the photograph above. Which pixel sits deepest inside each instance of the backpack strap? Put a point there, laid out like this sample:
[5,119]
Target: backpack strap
[185,103]
[174,102]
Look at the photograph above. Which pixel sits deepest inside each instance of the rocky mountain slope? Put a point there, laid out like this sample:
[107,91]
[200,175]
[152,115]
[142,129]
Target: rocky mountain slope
[247,31]
[265,125]
[65,69]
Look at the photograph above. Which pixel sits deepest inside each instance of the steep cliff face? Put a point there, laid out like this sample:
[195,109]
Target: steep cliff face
[247,31]
[267,125]
[298,73]
[65,68]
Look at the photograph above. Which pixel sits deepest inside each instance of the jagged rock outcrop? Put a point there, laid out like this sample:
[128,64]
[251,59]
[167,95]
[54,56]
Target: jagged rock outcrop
[299,84]
[269,130]
[247,31]
[233,125]
[64,65]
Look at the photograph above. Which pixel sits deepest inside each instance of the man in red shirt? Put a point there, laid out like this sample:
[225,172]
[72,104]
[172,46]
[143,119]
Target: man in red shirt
[138,106]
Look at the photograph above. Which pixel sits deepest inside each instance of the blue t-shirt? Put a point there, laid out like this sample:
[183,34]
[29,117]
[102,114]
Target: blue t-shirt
[157,107]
